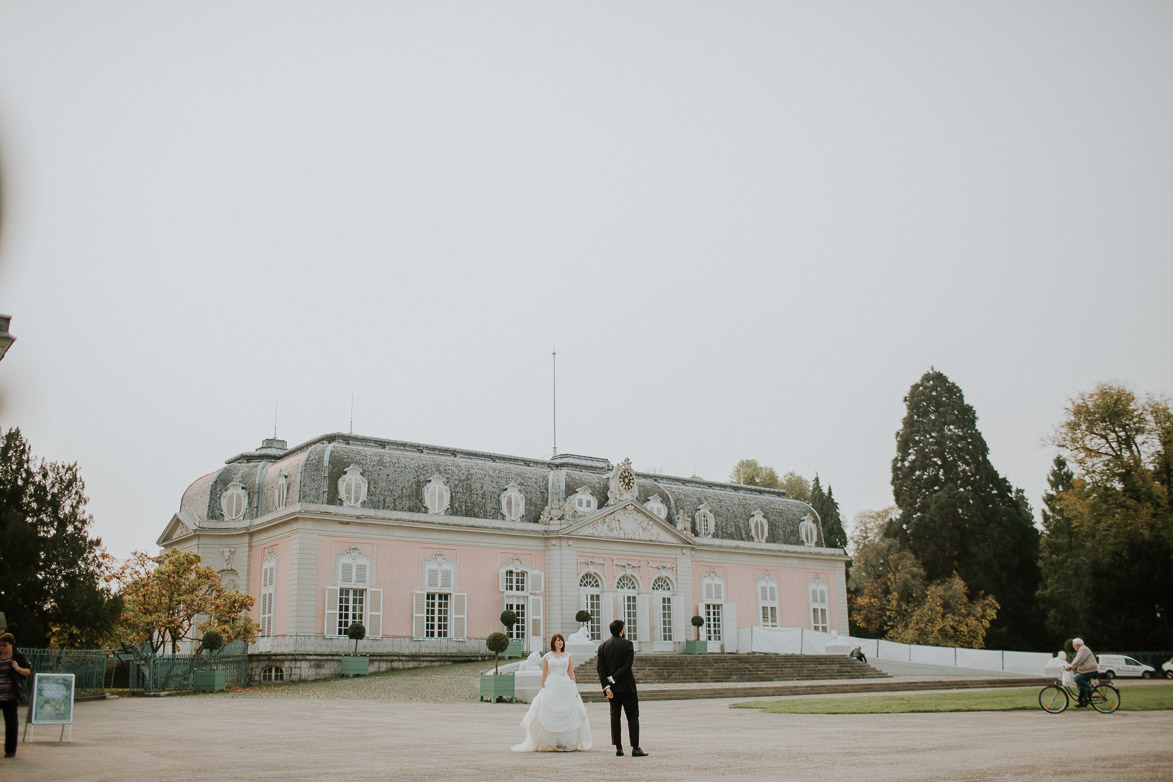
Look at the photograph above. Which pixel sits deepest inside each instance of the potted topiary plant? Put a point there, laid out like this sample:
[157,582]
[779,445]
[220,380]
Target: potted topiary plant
[496,685]
[353,665]
[582,617]
[212,679]
[698,646]
[516,645]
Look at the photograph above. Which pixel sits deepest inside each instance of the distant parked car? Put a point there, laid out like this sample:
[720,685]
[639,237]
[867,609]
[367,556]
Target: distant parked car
[1113,665]
[1168,668]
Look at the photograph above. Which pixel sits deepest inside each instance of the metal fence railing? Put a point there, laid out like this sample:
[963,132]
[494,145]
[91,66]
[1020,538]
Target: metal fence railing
[88,666]
[175,671]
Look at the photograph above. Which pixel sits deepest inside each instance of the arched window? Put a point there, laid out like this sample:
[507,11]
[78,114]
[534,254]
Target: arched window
[281,491]
[512,502]
[272,673]
[628,587]
[234,501]
[758,527]
[808,531]
[662,589]
[437,495]
[590,590]
[704,521]
[352,487]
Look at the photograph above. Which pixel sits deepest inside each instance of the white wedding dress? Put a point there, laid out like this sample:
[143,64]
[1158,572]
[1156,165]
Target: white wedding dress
[557,719]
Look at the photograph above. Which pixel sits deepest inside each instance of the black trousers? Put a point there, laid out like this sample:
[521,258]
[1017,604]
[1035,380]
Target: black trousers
[628,702]
[9,708]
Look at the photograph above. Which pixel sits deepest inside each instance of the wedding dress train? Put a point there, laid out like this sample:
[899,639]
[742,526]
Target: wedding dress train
[557,719]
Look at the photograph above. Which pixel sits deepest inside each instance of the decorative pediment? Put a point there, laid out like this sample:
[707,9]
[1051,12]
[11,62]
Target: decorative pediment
[629,521]
[180,526]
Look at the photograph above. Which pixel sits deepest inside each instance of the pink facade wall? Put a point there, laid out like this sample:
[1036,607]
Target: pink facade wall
[398,567]
[741,589]
[281,596]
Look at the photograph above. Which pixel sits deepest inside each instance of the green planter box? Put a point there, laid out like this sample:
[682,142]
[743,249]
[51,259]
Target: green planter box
[696,647]
[516,648]
[356,666]
[496,686]
[208,681]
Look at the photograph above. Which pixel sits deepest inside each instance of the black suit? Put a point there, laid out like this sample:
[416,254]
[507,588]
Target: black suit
[616,655]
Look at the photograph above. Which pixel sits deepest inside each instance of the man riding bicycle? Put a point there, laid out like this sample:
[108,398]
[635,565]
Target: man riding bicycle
[1086,668]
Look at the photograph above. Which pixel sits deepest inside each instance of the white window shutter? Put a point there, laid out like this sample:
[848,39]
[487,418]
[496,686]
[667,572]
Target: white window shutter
[347,574]
[642,621]
[419,603]
[432,577]
[374,621]
[460,615]
[729,629]
[700,611]
[446,578]
[331,611]
[360,573]
[537,581]
[607,609]
[501,579]
[535,623]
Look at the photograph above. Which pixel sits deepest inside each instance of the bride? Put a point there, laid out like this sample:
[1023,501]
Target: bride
[557,719]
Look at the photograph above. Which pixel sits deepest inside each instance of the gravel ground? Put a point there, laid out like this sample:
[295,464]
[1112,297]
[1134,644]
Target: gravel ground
[458,683]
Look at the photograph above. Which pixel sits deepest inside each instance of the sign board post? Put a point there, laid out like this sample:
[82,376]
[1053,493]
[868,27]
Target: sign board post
[50,703]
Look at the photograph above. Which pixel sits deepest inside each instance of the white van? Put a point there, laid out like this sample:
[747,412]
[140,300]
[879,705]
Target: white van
[1113,665]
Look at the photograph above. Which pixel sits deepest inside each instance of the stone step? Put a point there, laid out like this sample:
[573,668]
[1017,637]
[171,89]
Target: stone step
[733,667]
[766,690]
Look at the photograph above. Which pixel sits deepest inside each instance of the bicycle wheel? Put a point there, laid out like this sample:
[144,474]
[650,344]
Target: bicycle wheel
[1105,698]
[1053,699]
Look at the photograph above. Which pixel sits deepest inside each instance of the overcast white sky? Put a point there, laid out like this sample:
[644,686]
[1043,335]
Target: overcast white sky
[747,227]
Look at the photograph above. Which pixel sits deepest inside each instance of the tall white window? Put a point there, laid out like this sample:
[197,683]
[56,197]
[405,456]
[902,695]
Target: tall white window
[662,589]
[438,610]
[353,599]
[628,587]
[520,593]
[818,603]
[590,588]
[268,593]
[768,602]
[713,603]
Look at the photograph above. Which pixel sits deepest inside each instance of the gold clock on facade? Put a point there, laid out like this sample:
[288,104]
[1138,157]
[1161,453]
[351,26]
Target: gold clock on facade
[627,480]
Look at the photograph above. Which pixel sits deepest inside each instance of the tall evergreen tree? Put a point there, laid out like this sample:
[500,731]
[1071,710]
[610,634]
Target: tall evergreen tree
[958,515]
[828,509]
[52,587]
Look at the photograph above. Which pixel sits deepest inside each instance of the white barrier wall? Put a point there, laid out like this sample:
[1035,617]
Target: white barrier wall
[793,640]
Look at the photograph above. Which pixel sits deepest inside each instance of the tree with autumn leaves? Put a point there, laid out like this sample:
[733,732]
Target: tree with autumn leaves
[173,597]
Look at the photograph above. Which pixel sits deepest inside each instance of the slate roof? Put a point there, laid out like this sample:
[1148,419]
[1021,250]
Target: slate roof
[397,473]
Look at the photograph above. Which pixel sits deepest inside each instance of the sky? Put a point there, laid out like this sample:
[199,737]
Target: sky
[746,228]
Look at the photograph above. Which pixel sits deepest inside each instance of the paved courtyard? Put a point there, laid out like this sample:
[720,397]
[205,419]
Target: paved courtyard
[319,732]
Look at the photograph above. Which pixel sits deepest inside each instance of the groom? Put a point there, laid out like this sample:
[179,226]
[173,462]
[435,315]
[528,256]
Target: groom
[614,665]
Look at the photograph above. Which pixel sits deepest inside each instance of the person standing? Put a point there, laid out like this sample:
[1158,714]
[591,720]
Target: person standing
[616,656]
[1086,668]
[14,666]
[557,719]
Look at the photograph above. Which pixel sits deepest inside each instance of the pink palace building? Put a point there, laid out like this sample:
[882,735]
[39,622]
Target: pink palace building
[421,542]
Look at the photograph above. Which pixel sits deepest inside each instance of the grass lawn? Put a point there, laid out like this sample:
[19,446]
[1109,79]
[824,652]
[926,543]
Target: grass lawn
[1148,698]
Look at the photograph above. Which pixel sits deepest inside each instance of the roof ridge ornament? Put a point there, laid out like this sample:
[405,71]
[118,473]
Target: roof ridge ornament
[621,484]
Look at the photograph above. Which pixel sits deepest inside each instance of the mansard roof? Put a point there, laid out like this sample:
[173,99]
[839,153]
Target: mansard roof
[397,473]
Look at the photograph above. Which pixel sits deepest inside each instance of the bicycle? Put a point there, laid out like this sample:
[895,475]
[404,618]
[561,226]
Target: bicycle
[1054,698]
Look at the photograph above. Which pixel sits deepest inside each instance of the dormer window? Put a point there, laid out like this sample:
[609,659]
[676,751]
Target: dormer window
[807,531]
[758,526]
[352,487]
[234,501]
[704,521]
[512,502]
[437,495]
[281,491]
[657,506]
[584,501]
